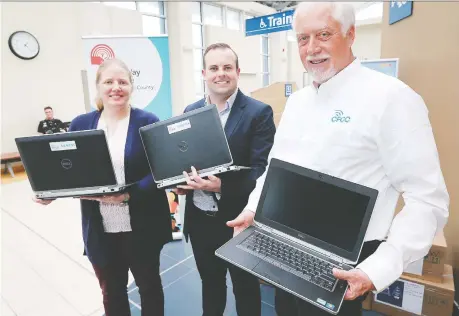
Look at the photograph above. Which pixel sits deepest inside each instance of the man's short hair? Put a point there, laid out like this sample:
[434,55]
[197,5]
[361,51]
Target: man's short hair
[47,108]
[219,46]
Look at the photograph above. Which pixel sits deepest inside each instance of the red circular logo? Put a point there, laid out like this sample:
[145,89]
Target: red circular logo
[100,53]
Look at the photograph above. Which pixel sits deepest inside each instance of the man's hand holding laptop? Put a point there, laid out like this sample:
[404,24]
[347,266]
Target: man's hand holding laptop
[195,182]
[359,282]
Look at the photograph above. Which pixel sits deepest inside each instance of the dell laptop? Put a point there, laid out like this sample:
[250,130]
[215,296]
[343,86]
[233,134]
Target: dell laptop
[195,138]
[69,164]
[306,224]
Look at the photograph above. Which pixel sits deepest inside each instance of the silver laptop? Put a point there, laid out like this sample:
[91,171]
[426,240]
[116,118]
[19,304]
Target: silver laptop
[306,224]
[195,138]
[69,164]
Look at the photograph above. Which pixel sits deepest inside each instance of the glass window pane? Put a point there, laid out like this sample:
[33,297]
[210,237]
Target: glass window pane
[198,83]
[196,12]
[155,7]
[233,20]
[265,80]
[197,35]
[212,15]
[125,5]
[151,25]
[265,63]
[264,45]
[197,59]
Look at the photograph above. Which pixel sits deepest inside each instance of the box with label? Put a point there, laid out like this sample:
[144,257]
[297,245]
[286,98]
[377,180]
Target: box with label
[431,266]
[413,296]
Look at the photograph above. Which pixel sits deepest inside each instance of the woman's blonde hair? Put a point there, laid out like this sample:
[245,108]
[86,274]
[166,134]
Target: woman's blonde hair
[102,67]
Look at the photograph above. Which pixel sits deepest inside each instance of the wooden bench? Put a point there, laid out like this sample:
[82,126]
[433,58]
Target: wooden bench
[8,159]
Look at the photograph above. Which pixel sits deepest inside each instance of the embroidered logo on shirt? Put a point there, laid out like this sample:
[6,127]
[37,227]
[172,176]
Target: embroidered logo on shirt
[340,117]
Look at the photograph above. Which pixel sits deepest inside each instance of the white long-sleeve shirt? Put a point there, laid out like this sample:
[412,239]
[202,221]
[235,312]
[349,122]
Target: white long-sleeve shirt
[116,217]
[372,129]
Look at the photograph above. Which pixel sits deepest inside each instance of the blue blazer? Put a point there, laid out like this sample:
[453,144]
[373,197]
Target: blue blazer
[148,206]
[250,132]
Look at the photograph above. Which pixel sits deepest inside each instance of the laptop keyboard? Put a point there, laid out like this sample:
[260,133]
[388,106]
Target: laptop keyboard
[293,260]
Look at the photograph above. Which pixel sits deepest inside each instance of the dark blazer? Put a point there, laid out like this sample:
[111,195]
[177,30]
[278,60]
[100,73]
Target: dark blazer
[148,206]
[250,132]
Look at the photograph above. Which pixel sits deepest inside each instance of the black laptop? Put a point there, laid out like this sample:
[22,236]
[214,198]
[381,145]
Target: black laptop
[69,164]
[306,223]
[195,138]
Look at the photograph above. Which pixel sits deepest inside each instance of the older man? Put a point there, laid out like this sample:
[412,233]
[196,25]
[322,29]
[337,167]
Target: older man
[385,141]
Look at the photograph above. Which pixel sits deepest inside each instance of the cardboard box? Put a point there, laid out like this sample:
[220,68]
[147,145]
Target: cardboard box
[413,296]
[431,267]
[276,96]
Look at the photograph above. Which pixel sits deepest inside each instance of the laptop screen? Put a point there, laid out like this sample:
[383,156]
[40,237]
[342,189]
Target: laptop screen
[323,213]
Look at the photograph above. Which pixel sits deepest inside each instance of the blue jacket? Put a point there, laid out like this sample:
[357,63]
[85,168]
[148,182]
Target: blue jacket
[250,132]
[148,206]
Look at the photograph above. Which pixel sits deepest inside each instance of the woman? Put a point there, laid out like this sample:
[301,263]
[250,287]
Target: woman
[127,230]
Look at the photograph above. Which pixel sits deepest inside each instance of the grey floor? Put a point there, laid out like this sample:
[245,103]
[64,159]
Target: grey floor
[182,286]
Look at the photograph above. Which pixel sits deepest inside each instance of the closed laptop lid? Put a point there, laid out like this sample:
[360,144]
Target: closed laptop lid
[327,212]
[196,138]
[67,161]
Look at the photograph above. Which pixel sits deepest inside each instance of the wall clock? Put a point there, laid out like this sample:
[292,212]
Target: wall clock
[24,45]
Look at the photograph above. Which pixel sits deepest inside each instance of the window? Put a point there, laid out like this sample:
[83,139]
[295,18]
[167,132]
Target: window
[265,60]
[198,48]
[212,15]
[153,25]
[153,17]
[154,8]
[196,12]
[233,19]
[124,5]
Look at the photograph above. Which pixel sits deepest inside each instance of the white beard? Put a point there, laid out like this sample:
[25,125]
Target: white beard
[322,76]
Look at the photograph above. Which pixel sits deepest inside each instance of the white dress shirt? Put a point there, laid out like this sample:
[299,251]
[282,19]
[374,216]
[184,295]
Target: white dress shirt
[204,200]
[372,129]
[116,217]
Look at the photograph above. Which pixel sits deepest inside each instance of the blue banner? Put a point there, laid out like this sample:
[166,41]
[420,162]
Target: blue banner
[400,10]
[277,22]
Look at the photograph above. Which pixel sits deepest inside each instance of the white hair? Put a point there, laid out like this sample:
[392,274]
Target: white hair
[343,12]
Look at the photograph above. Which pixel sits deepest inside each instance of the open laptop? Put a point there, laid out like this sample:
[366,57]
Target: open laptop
[306,223]
[195,138]
[69,164]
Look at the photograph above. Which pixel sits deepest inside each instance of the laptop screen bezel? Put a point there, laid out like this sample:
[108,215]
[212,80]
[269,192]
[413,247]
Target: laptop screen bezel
[349,256]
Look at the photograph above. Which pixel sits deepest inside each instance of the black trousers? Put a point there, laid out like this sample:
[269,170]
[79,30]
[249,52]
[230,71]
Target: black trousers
[289,305]
[207,233]
[113,278]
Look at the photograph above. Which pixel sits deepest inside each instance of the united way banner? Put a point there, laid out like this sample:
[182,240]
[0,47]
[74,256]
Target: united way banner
[148,60]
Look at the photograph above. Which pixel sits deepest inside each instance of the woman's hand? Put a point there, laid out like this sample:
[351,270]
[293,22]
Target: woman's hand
[41,201]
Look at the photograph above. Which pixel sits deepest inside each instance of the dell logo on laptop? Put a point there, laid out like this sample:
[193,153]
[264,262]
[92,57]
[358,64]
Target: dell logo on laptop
[301,236]
[183,146]
[66,163]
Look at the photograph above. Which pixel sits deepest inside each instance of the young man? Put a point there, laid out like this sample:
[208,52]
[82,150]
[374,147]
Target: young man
[50,125]
[382,138]
[250,130]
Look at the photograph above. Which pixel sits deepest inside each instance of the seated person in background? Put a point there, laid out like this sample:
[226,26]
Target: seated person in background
[50,125]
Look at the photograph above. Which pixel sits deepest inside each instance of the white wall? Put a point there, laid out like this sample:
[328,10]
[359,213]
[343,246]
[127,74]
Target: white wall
[181,55]
[54,77]
[367,43]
